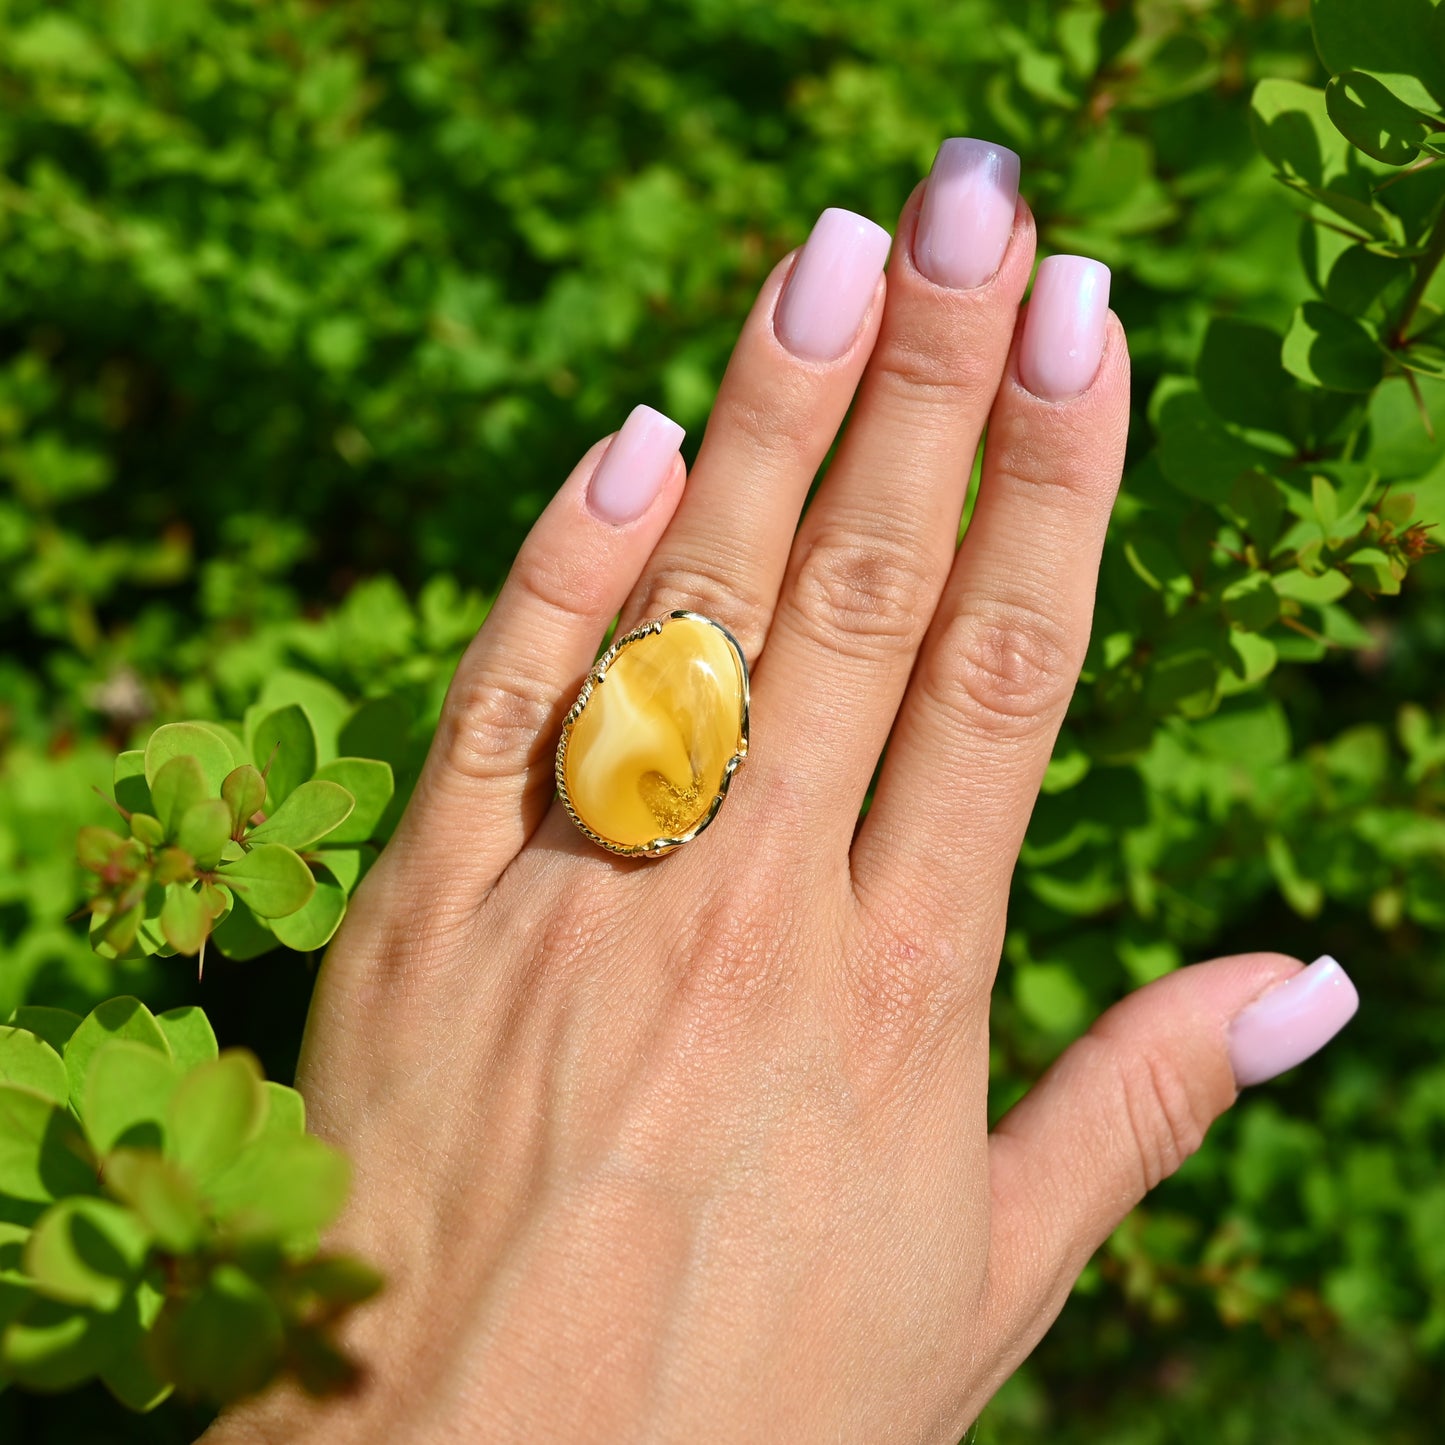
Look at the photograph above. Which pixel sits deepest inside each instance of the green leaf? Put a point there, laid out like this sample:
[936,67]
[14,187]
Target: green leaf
[311,812]
[1374,119]
[217,1108]
[1293,128]
[130,788]
[325,708]
[189,1033]
[1158,566]
[1326,502]
[283,1187]
[271,879]
[1253,658]
[162,1195]
[379,728]
[130,1378]
[312,926]
[222,1342]
[178,740]
[113,935]
[128,1088]
[1179,680]
[1240,375]
[284,747]
[86,1252]
[1050,997]
[1373,223]
[116,1018]
[1329,349]
[1299,587]
[285,1109]
[1253,732]
[1256,499]
[241,935]
[42,1153]
[29,1061]
[1398,41]
[146,829]
[54,1025]
[1251,603]
[234,746]
[53,1346]
[178,785]
[1302,894]
[204,831]
[184,919]
[1197,455]
[244,791]
[348,866]
[96,847]
[370,782]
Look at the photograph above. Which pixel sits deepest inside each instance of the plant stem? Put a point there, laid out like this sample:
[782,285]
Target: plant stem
[1429,261]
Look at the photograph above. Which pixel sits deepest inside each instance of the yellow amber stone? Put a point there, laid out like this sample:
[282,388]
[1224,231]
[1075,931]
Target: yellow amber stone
[659,735]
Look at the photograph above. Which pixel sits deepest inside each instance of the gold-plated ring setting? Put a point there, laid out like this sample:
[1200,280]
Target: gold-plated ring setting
[649,748]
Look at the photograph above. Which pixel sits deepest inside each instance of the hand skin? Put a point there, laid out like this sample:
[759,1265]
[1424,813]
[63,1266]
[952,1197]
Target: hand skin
[697,1149]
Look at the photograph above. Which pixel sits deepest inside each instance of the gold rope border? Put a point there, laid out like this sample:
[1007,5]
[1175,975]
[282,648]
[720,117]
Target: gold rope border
[658,846]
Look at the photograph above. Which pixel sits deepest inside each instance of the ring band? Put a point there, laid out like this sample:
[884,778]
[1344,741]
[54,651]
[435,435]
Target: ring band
[650,746]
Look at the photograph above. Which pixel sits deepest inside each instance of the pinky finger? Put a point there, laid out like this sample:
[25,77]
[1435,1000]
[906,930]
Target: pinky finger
[1124,1106]
[488,778]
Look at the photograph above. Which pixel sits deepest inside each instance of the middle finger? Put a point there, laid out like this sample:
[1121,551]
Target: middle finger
[874,550]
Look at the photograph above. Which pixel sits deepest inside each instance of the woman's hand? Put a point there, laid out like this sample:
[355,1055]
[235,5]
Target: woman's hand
[697,1149]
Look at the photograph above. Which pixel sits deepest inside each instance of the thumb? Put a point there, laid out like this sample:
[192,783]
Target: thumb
[1124,1106]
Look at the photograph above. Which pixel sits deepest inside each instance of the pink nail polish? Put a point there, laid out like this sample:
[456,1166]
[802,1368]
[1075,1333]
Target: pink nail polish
[967,214]
[1291,1021]
[1063,339]
[827,295]
[634,466]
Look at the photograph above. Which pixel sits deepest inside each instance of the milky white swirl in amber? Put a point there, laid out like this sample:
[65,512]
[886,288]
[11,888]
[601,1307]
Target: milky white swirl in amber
[652,744]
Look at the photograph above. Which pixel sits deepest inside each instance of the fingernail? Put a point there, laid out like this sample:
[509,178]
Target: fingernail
[634,467]
[1293,1020]
[967,215]
[1063,339]
[828,293]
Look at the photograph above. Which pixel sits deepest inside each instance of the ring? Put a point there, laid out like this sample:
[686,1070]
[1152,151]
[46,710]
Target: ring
[657,732]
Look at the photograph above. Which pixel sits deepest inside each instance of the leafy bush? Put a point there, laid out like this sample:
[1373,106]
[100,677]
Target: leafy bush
[159,1211]
[298,296]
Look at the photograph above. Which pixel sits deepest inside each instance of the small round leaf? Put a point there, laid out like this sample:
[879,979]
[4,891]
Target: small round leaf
[189,1033]
[312,811]
[176,740]
[86,1252]
[29,1061]
[216,1110]
[271,879]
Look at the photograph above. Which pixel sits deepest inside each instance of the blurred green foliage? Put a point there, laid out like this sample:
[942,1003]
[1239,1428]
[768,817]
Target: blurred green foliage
[160,1207]
[305,309]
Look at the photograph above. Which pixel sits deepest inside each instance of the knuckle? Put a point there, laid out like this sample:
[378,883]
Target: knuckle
[936,370]
[708,585]
[908,988]
[730,965]
[1168,1116]
[1004,666]
[490,728]
[564,583]
[858,590]
[779,420]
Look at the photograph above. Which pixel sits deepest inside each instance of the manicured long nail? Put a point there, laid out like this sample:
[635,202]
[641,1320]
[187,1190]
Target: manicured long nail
[1063,339]
[967,215]
[634,467]
[1293,1020]
[827,294]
